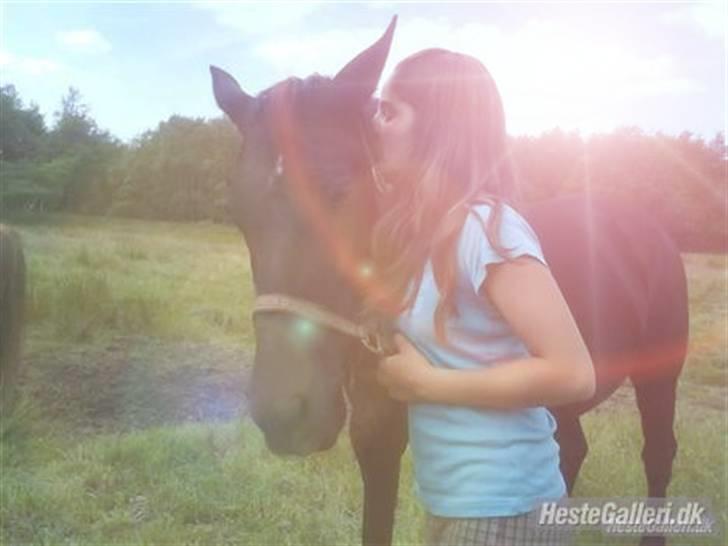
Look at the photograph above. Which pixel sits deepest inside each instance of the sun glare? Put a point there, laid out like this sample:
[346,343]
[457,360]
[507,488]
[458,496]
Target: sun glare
[546,81]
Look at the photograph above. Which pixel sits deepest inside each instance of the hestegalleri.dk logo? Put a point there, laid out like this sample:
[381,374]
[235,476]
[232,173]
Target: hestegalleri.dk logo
[635,515]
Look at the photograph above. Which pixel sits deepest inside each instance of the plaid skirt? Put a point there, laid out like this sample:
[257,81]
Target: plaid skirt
[493,531]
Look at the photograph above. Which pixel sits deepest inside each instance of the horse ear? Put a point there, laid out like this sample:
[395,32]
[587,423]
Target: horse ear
[230,97]
[358,79]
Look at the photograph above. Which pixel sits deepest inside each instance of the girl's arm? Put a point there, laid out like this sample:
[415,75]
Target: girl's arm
[559,372]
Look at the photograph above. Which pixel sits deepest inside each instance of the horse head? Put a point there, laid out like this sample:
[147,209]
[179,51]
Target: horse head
[302,149]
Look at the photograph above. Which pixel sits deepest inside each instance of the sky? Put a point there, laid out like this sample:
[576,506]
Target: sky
[587,67]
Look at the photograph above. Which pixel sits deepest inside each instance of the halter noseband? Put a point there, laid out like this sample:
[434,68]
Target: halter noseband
[369,337]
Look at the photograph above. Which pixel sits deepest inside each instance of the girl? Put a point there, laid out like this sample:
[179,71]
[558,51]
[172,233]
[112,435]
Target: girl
[488,339]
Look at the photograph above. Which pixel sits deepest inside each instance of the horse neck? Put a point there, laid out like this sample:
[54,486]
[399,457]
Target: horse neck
[356,216]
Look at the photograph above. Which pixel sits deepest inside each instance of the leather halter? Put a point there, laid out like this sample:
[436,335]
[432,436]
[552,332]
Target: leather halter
[276,302]
[287,304]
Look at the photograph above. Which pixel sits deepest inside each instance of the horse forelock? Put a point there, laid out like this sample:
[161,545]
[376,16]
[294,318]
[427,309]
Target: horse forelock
[297,117]
[303,98]
[328,193]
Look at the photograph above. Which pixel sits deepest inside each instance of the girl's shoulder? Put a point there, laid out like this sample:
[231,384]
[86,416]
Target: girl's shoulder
[512,223]
[515,236]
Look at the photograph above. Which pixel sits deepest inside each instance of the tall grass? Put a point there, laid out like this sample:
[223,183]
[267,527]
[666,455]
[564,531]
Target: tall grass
[91,279]
[707,362]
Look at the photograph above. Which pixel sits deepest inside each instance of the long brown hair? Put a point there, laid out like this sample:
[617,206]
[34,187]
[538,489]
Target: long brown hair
[460,156]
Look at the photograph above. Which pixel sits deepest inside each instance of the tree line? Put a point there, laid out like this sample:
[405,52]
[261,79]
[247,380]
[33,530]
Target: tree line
[179,170]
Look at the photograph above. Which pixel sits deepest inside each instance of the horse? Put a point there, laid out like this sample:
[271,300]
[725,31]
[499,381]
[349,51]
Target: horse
[304,199]
[12,309]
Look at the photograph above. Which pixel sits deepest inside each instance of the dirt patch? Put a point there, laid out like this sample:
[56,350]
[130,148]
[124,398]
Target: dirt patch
[137,382]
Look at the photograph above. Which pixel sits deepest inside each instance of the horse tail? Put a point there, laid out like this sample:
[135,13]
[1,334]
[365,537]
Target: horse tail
[12,311]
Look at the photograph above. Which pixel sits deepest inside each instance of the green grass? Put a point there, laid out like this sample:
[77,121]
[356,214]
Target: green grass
[195,484]
[135,326]
[707,362]
[613,467]
[206,484]
[92,278]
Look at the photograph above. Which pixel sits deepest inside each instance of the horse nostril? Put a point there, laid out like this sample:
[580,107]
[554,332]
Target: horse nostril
[282,415]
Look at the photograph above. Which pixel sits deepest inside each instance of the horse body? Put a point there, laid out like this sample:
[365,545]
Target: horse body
[625,284]
[304,202]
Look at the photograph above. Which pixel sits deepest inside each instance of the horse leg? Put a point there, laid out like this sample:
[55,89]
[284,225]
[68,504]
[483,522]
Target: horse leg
[655,378]
[573,446]
[656,402]
[378,432]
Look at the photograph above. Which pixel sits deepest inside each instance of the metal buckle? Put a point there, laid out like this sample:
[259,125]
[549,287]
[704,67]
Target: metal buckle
[373,342]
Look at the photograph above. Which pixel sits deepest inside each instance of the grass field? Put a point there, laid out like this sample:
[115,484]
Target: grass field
[138,349]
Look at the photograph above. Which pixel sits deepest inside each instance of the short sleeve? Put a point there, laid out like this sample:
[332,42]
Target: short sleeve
[475,251]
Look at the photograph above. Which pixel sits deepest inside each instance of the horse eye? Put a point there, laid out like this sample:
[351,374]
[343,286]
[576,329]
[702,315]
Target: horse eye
[276,174]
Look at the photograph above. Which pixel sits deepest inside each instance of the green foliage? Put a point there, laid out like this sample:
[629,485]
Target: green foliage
[679,180]
[65,169]
[21,129]
[36,186]
[179,171]
[89,152]
[74,128]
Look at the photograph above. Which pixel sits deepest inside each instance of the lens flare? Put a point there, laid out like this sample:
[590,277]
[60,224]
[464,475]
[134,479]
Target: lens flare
[304,330]
[366,270]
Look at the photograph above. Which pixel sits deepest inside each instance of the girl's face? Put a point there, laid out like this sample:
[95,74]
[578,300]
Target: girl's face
[394,127]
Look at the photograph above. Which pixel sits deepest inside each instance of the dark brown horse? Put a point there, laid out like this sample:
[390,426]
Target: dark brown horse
[304,201]
[12,306]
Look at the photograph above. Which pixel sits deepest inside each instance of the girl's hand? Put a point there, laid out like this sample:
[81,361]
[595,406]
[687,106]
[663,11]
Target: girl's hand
[407,374]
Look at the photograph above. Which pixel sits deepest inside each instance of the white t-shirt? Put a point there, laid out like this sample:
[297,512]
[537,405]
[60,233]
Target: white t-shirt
[472,462]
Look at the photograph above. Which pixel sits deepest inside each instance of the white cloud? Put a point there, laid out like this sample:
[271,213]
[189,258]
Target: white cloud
[324,52]
[33,66]
[550,74]
[84,41]
[382,4]
[6,58]
[710,17]
[545,52]
[259,18]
